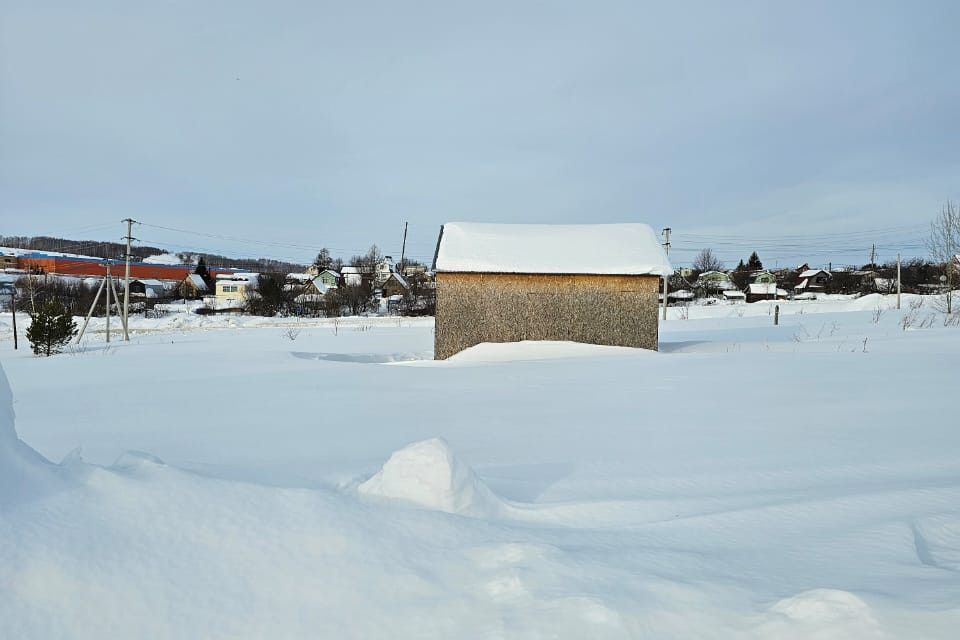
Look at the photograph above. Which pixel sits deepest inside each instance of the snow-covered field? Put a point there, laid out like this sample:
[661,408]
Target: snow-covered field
[237,477]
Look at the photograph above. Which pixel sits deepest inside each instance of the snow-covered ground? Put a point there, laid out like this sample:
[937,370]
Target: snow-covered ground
[224,477]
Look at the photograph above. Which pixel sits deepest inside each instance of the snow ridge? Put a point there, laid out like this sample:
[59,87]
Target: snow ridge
[23,472]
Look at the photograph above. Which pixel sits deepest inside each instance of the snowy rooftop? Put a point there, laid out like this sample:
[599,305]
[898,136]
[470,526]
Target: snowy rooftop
[809,273]
[239,276]
[623,249]
[197,281]
[764,288]
[399,278]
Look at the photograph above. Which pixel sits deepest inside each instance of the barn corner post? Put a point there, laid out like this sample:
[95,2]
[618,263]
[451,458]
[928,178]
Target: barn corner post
[437,316]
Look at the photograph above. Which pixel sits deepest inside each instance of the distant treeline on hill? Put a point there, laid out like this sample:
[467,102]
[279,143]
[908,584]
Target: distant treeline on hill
[101,249]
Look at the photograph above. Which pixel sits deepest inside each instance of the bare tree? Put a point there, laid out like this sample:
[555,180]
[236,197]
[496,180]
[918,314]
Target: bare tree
[707,261]
[944,244]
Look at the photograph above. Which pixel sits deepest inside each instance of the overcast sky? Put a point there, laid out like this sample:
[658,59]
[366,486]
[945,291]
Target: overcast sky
[309,124]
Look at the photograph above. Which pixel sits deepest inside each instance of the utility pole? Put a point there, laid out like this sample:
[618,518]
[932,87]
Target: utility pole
[13,307]
[873,255]
[898,281]
[666,276]
[109,283]
[403,247]
[950,286]
[126,280]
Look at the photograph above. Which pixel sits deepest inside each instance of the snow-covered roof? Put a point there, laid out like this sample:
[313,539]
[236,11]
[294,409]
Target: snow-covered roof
[803,284]
[680,294]
[399,278]
[350,270]
[197,281]
[302,277]
[239,277]
[622,249]
[809,273]
[763,288]
[717,275]
[734,294]
[150,282]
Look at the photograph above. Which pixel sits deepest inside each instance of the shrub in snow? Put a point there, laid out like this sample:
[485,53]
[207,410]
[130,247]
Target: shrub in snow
[51,327]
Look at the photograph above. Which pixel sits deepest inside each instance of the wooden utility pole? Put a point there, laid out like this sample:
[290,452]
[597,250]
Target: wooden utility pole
[873,255]
[126,280]
[13,306]
[666,276]
[403,247]
[950,286]
[93,306]
[109,285]
[898,281]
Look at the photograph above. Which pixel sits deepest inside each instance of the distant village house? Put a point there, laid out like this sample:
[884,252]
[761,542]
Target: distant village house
[233,289]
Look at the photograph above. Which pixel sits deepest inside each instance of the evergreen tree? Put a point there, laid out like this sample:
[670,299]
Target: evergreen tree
[754,263]
[201,269]
[741,266]
[51,327]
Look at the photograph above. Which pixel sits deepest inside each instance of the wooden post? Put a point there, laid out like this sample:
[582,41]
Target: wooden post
[898,281]
[109,281]
[13,306]
[123,317]
[93,305]
[126,282]
[776,315]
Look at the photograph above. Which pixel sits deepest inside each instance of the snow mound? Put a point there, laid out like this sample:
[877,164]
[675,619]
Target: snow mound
[539,350]
[823,614]
[429,475]
[23,471]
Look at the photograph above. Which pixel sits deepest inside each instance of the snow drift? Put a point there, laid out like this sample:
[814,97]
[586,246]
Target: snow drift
[429,475]
[488,352]
[23,472]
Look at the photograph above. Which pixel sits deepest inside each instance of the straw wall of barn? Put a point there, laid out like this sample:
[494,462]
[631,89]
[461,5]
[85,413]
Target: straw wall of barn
[506,307]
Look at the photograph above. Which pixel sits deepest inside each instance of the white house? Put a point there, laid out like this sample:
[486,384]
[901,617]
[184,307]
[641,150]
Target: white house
[351,276]
[233,289]
[763,291]
[812,280]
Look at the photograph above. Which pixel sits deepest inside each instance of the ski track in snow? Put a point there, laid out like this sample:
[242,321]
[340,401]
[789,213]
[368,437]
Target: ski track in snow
[748,481]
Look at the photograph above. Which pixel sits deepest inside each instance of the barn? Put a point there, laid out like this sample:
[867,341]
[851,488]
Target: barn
[592,283]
